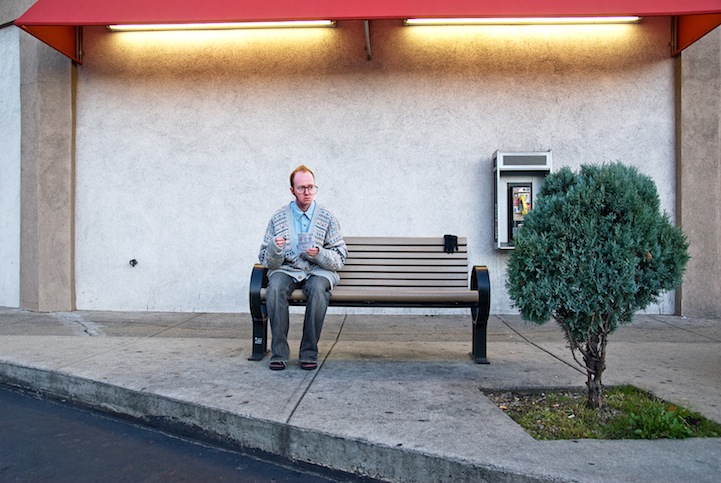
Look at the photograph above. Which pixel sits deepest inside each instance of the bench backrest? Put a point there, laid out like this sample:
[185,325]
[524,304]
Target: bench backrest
[404,262]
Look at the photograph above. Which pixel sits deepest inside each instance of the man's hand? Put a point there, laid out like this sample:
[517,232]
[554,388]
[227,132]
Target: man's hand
[280,241]
[311,252]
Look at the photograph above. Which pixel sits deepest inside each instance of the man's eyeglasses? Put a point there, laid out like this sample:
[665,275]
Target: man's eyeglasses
[306,189]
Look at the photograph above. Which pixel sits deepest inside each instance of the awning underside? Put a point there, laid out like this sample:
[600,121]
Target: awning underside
[58,22]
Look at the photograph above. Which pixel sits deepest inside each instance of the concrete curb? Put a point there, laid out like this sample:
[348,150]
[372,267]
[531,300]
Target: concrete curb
[255,436]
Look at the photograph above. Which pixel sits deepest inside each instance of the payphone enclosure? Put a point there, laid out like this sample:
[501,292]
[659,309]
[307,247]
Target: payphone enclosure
[518,178]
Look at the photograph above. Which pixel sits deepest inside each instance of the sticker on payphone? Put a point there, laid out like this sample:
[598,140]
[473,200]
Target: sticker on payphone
[519,204]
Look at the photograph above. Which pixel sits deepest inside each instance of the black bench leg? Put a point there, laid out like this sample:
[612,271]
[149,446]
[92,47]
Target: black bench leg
[480,327]
[258,313]
[260,339]
[480,281]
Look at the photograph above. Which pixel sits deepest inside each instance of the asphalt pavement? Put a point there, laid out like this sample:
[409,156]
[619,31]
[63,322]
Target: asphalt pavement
[44,440]
[396,397]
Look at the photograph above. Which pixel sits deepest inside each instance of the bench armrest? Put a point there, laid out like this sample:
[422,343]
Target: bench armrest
[481,282]
[258,281]
[258,312]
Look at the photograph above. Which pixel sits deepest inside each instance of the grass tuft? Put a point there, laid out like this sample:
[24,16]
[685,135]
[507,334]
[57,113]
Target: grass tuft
[629,413]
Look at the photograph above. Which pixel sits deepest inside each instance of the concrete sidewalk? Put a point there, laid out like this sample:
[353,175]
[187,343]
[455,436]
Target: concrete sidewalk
[396,398]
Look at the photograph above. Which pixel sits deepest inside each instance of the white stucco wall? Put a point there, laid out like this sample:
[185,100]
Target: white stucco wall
[9,168]
[185,142]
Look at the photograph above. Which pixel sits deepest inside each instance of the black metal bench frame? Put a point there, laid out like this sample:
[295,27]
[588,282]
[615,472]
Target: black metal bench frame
[394,272]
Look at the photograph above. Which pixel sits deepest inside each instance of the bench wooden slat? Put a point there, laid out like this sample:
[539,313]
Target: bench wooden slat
[399,240]
[404,255]
[432,245]
[402,249]
[463,277]
[341,295]
[452,269]
[379,282]
[408,296]
[406,262]
[418,258]
[384,278]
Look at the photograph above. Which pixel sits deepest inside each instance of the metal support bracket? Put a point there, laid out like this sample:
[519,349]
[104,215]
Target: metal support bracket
[366,26]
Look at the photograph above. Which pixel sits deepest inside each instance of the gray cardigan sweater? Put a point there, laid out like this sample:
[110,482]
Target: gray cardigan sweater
[328,239]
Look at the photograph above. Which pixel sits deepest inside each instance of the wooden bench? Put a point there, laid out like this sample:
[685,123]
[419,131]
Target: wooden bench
[394,272]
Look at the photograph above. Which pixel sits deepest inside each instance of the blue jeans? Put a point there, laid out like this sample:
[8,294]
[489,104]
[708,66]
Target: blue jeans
[317,292]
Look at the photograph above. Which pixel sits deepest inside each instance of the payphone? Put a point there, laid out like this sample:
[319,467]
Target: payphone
[518,177]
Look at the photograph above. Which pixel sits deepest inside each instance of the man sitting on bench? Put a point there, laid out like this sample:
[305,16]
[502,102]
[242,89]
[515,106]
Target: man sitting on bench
[302,248]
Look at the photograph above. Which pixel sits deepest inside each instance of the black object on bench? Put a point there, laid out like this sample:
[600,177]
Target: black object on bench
[394,272]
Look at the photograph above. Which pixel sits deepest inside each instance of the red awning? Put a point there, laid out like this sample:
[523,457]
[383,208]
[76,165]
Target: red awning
[59,22]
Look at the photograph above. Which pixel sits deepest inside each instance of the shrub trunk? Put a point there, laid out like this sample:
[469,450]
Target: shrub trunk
[594,356]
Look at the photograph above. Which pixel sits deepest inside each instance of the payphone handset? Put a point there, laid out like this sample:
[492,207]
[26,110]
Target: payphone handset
[520,202]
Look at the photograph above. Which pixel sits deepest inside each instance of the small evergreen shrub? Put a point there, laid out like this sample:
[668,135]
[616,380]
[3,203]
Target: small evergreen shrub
[594,250]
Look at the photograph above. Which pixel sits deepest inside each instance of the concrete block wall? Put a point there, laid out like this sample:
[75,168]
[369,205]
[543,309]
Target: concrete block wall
[699,126]
[10,168]
[185,141]
[37,241]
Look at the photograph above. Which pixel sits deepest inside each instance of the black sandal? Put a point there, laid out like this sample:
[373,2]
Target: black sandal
[308,365]
[277,365]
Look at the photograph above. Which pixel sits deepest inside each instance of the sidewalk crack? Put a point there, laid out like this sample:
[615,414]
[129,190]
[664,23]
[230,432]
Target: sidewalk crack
[683,328]
[176,325]
[76,319]
[315,373]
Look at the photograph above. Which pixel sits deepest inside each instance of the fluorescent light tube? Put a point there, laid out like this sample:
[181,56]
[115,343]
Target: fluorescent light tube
[521,21]
[222,26]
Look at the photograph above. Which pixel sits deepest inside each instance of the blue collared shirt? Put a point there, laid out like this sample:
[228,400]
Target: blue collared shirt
[301,220]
